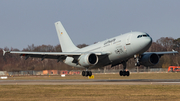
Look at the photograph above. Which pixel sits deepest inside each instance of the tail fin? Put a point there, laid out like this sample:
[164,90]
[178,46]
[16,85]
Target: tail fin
[66,43]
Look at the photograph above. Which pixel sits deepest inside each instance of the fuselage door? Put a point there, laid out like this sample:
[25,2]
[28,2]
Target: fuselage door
[128,40]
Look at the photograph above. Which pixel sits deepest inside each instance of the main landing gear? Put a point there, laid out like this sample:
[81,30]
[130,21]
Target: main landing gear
[124,72]
[86,73]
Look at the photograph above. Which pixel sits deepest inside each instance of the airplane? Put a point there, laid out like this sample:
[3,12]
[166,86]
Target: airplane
[113,51]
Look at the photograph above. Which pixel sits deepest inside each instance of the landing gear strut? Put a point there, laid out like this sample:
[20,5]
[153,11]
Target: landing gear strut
[124,72]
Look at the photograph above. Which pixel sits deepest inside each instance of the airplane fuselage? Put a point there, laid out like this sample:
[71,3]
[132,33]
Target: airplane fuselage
[121,48]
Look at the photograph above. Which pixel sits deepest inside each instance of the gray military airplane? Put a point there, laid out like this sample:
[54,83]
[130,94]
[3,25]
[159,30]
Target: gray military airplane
[113,51]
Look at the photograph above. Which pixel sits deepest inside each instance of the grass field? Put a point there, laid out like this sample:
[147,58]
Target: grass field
[89,92]
[92,92]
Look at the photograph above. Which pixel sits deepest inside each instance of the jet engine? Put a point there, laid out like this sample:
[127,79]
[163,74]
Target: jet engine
[87,60]
[149,59]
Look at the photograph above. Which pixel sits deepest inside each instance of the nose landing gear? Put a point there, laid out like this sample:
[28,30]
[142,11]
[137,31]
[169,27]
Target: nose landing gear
[137,58]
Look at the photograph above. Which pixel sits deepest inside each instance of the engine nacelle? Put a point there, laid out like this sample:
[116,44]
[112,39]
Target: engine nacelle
[149,59]
[87,60]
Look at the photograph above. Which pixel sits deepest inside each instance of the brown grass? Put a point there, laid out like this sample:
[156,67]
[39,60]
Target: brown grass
[90,92]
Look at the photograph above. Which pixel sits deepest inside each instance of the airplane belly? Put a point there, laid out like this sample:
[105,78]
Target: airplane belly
[101,63]
[69,62]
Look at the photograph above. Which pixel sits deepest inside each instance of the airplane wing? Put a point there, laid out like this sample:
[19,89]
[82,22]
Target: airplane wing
[162,53]
[52,55]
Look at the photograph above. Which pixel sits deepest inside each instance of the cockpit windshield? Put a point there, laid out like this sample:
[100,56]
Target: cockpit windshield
[145,35]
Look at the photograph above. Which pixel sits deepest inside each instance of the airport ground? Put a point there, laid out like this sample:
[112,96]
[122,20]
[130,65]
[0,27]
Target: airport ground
[141,75]
[138,87]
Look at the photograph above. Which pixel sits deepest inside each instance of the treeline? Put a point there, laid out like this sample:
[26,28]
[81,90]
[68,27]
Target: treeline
[14,62]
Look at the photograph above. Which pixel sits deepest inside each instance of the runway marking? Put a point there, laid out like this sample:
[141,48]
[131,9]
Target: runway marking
[91,82]
[170,82]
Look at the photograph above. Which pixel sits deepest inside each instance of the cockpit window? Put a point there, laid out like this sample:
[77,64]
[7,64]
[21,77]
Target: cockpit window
[139,36]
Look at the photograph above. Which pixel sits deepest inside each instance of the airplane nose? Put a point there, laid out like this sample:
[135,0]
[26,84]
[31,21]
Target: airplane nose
[146,43]
[141,45]
[149,41]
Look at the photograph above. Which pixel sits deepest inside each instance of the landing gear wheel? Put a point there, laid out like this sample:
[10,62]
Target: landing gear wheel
[83,73]
[127,73]
[90,73]
[86,73]
[124,73]
[120,73]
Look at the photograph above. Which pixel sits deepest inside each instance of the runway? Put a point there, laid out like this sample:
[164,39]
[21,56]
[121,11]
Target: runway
[93,82]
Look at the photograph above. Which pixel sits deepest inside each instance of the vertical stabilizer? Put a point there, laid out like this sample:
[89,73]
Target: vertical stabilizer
[66,43]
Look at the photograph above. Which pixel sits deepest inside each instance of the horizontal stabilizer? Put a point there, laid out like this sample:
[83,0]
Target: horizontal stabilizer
[4,52]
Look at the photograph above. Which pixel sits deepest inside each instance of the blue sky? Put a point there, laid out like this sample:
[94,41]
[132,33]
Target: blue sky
[27,22]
